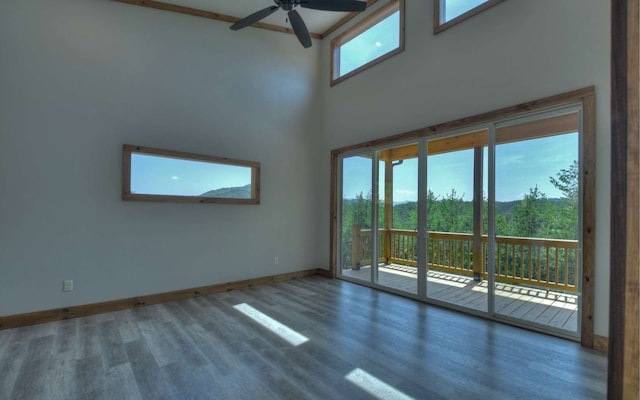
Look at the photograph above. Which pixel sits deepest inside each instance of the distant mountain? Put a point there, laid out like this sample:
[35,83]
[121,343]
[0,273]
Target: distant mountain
[502,207]
[506,207]
[238,192]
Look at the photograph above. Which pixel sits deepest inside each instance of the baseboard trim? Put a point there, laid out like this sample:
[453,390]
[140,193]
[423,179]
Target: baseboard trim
[323,272]
[601,343]
[39,317]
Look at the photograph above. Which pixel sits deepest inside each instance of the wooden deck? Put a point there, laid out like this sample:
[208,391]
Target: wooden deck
[553,309]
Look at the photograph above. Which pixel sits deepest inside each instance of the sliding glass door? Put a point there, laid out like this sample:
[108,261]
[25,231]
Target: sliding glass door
[398,217]
[537,220]
[379,218]
[456,219]
[485,219]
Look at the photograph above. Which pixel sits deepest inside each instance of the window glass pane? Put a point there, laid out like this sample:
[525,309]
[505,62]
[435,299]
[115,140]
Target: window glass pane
[450,191]
[158,175]
[537,187]
[455,8]
[356,235]
[373,43]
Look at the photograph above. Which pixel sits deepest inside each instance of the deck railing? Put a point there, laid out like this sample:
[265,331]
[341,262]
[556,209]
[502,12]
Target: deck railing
[361,247]
[539,262]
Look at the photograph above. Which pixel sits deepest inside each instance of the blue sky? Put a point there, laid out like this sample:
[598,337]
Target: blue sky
[173,176]
[519,166]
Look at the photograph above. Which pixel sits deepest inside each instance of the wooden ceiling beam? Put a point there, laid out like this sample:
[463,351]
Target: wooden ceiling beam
[461,142]
[208,14]
[538,129]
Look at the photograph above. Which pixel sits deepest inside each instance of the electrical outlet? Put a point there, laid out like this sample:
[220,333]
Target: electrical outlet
[276,261]
[67,286]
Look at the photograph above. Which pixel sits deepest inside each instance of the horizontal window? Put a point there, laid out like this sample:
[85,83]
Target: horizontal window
[376,38]
[451,12]
[164,175]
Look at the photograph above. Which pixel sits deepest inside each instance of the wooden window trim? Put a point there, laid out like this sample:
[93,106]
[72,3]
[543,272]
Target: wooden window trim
[371,20]
[128,149]
[437,14]
[586,97]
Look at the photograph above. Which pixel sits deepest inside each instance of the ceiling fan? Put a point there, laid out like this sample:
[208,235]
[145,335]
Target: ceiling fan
[298,25]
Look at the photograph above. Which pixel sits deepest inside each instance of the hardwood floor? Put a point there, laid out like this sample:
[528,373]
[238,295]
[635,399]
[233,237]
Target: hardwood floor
[205,348]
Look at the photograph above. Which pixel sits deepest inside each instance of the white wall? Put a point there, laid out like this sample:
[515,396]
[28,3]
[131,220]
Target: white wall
[78,78]
[517,51]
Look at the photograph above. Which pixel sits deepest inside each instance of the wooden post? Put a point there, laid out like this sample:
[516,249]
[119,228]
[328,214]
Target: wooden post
[388,208]
[624,304]
[355,247]
[478,256]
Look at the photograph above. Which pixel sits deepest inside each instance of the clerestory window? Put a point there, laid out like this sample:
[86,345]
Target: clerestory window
[451,12]
[376,38]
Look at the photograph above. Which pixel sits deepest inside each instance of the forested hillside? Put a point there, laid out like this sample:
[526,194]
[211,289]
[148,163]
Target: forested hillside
[534,215]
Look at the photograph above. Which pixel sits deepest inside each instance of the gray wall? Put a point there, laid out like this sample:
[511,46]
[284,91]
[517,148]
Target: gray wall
[81,77]
[517,51]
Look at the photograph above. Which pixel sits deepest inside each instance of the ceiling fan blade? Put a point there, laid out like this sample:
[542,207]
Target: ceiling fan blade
[253,18]
[300,29]
[334,5]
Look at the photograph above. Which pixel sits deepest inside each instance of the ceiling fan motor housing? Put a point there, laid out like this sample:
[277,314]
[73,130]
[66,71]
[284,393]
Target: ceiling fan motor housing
[287,5]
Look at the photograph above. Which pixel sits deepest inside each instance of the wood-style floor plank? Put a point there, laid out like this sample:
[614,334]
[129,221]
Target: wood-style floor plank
[205,348]
[120,383]
[12,359]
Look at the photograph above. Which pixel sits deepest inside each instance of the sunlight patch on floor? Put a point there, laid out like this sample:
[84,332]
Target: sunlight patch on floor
[375,386]
[271,324]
